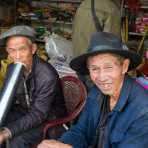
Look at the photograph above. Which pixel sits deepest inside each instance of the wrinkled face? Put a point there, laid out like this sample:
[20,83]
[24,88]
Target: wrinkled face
[107,72]
[21,49]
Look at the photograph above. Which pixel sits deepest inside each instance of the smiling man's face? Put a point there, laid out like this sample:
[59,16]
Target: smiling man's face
[107,72]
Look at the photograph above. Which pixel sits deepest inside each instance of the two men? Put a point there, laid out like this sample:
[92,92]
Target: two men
[38,97]
[116,112]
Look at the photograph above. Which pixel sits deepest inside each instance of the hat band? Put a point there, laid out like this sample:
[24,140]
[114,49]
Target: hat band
[101,47]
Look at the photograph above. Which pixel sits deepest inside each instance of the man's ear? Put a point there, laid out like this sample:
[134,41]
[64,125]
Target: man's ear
[34,48]
[126,63]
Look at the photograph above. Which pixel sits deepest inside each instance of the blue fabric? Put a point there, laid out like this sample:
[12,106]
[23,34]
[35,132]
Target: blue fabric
[127,125]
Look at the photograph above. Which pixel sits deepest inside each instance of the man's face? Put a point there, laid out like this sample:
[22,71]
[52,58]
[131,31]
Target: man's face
[20,49]
[107,72]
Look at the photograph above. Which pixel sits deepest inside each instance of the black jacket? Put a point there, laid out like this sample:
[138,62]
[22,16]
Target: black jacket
[45,98]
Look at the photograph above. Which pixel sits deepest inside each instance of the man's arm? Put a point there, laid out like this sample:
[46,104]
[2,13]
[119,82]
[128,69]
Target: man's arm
[75,137]
[39,109]
[80,135]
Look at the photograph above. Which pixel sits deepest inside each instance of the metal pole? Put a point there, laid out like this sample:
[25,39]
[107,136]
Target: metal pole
[10,84]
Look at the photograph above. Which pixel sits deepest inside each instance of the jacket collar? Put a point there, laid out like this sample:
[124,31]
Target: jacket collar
[33,66]
[125,92]
[32,75]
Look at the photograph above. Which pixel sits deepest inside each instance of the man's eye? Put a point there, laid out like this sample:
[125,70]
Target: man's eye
[94,69]
[22,48]
[10,50]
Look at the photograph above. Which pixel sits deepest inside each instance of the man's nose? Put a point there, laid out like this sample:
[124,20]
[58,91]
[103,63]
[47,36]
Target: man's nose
[101,75]
[16,58]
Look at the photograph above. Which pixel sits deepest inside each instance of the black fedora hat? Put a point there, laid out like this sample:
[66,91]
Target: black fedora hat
[104,42]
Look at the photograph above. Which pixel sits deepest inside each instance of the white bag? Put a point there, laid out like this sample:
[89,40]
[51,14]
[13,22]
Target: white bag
[60,53]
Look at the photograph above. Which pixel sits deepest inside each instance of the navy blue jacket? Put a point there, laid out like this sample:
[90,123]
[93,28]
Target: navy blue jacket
[127,125]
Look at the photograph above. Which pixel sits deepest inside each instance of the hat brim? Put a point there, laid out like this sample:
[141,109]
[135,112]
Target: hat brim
[21,30]
[3,40]
[79,63]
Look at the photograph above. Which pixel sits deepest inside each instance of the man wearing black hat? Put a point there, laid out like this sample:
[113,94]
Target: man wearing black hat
[39,95]
[116,112]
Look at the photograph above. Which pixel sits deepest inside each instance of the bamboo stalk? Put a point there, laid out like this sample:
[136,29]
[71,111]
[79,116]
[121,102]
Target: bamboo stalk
[143,38]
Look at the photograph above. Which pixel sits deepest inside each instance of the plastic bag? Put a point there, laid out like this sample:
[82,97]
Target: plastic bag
[60,53]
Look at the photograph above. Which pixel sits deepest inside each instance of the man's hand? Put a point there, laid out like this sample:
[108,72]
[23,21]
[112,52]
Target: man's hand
[4,135]
[53,144]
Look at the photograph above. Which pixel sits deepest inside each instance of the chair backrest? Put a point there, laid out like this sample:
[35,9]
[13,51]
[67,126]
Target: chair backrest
[74,93]
[75,97]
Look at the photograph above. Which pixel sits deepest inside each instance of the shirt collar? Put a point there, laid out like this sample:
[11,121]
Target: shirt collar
[30,74]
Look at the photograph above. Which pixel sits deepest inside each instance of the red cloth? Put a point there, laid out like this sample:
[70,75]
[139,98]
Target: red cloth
[134,5]
[144,68]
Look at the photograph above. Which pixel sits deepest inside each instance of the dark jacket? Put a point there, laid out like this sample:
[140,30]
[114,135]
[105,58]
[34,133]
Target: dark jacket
[127,125]
[45,98]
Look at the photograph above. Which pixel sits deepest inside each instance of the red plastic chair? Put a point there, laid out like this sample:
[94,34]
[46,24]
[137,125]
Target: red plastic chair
[75,97]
